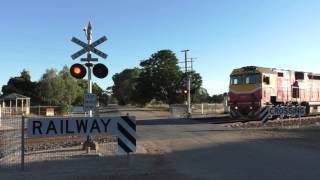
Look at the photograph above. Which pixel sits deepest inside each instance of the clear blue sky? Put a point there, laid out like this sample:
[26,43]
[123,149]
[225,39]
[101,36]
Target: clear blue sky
[222,34]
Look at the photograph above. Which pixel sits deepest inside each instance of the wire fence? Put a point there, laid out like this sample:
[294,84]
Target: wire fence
[10,142]
[204,109]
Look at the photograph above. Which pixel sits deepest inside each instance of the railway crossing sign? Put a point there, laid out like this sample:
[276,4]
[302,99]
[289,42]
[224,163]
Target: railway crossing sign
[89,47]
[269,112]
[124,127]
[74,126]
[287,111]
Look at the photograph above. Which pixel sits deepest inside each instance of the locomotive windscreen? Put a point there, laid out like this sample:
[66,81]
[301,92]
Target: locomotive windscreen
[245,79]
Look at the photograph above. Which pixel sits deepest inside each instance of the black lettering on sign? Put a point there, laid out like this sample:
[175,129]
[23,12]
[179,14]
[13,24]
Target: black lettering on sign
[61,126]
[95,126]
[51,127]
[36,125]
[272,111]
[67,128]
[105,124]
[81,125]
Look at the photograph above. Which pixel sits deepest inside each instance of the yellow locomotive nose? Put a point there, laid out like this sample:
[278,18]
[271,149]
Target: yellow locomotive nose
[244,88]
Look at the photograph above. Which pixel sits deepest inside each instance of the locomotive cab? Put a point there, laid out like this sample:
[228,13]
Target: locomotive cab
[245,93]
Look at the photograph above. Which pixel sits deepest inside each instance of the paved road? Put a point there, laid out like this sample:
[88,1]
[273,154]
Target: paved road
[194,149]
[211,151]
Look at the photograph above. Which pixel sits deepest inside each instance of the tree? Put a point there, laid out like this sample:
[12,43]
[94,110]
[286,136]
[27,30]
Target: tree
[196,82]
[22,85]
[200,96]
[217,98]
[124,88]
[50,88]
[160,79]
[71,89]
[56,89]
[59,89]
[25,74]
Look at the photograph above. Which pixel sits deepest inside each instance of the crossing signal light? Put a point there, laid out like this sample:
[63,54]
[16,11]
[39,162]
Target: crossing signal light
[100,70]
[78,71]
[185,91]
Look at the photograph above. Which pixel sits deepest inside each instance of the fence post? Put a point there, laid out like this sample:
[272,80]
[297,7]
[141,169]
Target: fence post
[201,108]
[0,116]
[22,142]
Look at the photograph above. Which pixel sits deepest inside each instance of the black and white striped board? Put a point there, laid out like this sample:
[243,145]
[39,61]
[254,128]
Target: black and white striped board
[126,134]
[264,114]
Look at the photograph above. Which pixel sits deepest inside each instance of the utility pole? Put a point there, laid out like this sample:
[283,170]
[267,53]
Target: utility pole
[191,61]
[188,80]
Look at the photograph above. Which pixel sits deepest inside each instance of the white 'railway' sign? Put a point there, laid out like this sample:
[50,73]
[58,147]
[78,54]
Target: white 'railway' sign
[75,126]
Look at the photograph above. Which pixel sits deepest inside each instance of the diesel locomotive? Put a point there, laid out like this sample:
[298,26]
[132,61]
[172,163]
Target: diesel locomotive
[252,89]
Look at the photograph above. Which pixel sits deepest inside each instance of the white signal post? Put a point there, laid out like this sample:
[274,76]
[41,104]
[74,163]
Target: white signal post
[88,32]
[89,48]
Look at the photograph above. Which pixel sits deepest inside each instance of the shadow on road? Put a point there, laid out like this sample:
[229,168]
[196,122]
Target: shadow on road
[173,121]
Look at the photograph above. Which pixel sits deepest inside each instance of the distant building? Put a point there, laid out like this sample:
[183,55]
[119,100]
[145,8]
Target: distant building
[14,104]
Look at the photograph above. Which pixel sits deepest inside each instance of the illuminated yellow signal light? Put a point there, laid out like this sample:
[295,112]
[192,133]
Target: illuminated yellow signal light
[78,71]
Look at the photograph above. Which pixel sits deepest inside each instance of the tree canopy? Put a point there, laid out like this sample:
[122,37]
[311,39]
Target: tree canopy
[125,86]
[22,85]
[159,79]
[54,88]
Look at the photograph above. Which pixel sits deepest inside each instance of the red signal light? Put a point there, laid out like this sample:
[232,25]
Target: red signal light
[100,70]
[185,91]
[78,71]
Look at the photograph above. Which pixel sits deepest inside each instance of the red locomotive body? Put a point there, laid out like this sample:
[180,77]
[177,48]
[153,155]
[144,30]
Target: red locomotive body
[252,89]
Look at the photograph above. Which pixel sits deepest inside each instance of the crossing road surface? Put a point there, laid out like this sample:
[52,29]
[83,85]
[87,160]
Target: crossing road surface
[194,150]
[211,151]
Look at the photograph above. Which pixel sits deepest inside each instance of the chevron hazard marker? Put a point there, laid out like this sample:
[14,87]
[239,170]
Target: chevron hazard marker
[126,134]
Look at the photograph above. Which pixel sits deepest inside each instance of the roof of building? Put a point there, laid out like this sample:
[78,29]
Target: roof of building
[13,96]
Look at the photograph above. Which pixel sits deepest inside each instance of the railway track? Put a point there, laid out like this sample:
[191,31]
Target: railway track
[285,122]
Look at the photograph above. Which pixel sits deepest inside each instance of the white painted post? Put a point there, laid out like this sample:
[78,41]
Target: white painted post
[22,106]
[10,108]
[0,115]
[22,142]
[16,105]
[201,108]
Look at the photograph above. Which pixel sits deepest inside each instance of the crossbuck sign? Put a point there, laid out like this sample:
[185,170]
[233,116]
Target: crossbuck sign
[89,47]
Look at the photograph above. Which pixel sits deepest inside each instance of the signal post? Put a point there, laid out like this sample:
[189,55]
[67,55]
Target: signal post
[79,71]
